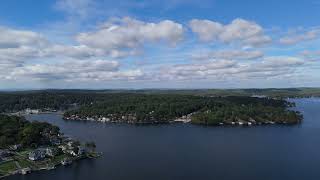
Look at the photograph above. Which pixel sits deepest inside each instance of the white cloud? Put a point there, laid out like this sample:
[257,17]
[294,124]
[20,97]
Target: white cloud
[228,54]
[297,38]
[216,70]
[18,54]
[130,33]
[207,30]
[11,38]
[280,61]
[195,70]
[80,51]
[29,56]
[239,30]
[75,70]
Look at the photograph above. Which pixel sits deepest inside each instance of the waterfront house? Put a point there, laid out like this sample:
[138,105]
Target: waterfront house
[72,152]
[63,148]
[16,147]
[32,111]
[81,150]
[4,154]
[25,171]
[37,154]
[70,144]
[55,141]
[51,152]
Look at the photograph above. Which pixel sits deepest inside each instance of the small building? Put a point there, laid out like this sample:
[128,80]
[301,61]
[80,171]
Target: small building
[55,141]
[72,152]
[81,150]
[16,147]
[51,152]
[37,154]
[70,143]
[63,148]
[25,171]
[4,154]
[32,111]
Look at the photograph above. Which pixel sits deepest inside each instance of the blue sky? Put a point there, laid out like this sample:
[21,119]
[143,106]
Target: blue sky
[159,44]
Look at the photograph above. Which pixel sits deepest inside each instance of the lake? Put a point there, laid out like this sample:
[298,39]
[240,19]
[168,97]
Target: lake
[189,152]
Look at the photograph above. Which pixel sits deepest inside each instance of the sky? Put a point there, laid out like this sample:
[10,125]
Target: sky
[179,44]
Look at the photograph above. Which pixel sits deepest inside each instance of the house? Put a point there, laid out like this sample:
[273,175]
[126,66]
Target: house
[70,143]
[55,141]
[81,150]
[25,171]
[72,152]
[4,154]
[51,152]
[32,111]
[15,147]
[63,148]
[37,154]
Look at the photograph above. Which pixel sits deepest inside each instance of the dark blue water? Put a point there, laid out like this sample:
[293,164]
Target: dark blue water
[170,152]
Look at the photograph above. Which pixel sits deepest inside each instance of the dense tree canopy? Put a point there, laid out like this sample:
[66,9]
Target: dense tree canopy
[16,130]
[204,110]
[155,106]
[62,99]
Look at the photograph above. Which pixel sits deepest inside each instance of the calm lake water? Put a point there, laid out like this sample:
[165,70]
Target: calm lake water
[174,152]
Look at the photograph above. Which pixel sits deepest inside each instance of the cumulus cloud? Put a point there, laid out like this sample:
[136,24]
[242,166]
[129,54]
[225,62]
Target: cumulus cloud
[118,38]
[18,54]
[17,46]
[228,54]
[297,38]
[11,38]
[206,30]
[77,51]
[219,69]
[131,33]
[97,70]
[280,61]
[239,30]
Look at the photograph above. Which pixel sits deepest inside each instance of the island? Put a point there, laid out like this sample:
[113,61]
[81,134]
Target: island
[32,146]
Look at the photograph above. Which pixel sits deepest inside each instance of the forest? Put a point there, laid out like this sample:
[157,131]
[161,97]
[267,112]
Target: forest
[141,108]
[16,130]
[159,106]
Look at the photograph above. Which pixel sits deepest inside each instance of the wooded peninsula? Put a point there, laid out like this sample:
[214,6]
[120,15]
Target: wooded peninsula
[30,146]
[156,106]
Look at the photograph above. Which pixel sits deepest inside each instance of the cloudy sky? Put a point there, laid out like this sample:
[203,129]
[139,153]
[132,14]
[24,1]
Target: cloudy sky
[159,44]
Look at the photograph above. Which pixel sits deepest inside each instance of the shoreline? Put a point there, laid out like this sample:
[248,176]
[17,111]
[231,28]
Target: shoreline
[28,170]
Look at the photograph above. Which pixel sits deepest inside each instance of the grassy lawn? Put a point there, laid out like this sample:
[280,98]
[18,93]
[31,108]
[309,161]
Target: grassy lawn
[58,159]
[24,163]
[25,152]
[8,167]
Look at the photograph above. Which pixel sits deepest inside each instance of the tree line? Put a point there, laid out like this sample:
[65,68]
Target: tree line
[17,130]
